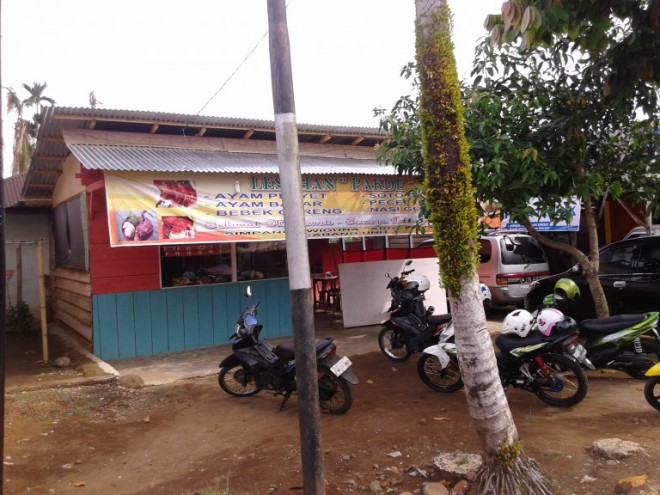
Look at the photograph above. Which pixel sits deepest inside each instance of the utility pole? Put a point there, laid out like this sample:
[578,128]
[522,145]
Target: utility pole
[300,285]
[3,288]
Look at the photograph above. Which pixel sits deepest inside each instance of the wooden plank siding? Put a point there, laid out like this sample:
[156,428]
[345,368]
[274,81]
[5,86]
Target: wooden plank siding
[145,323]
[71,298]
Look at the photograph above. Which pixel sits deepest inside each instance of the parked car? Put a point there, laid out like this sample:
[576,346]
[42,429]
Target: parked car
[629,272]
[508,264]
[642,232]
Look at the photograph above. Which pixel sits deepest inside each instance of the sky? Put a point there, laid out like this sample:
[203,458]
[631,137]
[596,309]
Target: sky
[210,57]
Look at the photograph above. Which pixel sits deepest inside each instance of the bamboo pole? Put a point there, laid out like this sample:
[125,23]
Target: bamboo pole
[42,301]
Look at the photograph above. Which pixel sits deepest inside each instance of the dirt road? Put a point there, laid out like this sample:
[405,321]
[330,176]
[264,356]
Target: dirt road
[176,439]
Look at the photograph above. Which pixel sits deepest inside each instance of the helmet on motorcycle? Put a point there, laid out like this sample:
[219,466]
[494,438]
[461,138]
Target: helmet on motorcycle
[547,318]
[567,289]
[565,326]
[518,322]
[420,282]
[485,292]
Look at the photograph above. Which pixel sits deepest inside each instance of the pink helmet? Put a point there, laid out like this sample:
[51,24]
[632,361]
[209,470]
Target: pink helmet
[547,318]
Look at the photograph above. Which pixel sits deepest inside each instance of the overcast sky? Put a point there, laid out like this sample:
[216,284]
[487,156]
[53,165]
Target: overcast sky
[173,56]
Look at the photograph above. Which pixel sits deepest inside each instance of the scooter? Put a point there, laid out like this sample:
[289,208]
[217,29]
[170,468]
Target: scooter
[256,365]
[652,387]
[535,363]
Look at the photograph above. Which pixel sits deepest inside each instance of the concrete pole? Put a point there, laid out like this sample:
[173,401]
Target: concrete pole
[300,285]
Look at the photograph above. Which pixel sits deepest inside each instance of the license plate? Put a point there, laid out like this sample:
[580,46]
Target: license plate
[340,366]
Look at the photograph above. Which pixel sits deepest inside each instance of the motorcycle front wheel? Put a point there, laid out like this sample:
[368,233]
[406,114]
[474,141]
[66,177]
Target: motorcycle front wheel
[565,385]
[393,344]
[652,392]
[238,380]
[334,392]
[435,377]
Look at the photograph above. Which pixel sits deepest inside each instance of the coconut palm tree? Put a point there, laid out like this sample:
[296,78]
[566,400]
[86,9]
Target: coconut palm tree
[26,130]
[451,198]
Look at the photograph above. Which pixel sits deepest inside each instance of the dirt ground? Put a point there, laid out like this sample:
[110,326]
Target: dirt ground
[190,436]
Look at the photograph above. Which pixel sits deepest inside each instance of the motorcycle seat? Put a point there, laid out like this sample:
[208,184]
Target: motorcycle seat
[606,326]
[506,343]
[438,319]
[286,351]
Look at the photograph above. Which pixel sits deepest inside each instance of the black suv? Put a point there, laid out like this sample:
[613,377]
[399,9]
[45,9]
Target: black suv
[629,272]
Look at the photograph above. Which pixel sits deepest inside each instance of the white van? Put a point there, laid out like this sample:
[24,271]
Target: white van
[509,264]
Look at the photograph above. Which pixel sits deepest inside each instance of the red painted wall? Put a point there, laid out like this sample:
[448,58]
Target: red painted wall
[125,269]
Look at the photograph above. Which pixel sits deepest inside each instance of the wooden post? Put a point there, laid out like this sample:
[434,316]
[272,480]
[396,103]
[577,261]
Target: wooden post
[19,274]
[300,285]
[42,301]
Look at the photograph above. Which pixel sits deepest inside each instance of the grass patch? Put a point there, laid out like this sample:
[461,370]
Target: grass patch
[49,405]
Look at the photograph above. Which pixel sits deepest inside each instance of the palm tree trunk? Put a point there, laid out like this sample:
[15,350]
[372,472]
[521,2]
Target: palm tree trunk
[448,187]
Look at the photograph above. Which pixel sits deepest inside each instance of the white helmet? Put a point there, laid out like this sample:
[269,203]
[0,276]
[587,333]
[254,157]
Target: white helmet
[420,282]
[518,322]
[485,292]
[547,318]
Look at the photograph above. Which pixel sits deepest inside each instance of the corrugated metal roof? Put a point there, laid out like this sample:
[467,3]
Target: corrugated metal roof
[152,159]
[51,150]
[12,190]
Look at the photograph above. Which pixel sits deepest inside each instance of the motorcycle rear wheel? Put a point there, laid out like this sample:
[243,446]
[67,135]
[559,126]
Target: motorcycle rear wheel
[238,380]
[652,349]
[567,384]
[440,380]
[393,344]
[335,395]
[652,392]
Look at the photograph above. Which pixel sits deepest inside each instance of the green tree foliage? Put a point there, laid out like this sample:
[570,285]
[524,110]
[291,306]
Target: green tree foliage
[621,37]
[540,129]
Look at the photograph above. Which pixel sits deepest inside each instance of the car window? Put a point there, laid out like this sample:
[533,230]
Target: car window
[485,250]
[519,250]
[649,259]
[617,260]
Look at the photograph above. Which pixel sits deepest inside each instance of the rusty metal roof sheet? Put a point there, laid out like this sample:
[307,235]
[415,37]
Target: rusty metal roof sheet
[151,159]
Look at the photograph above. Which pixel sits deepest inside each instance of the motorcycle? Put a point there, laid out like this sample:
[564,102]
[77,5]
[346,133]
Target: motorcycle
[403,293]
[533,362]
[411,326]
[628,342]
[256,365]
[652,387]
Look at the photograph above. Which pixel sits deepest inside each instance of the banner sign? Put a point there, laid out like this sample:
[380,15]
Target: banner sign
[146,208]
[542,223]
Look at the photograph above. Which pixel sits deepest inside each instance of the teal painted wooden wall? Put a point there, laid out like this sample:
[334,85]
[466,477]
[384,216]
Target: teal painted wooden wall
[131,324]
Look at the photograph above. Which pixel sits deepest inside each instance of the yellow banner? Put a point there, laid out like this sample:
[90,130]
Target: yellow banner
[146,208]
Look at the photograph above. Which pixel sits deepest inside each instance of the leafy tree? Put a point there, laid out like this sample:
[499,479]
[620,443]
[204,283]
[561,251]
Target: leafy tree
[620,36]
[539,129]
[26,130]
[450,195]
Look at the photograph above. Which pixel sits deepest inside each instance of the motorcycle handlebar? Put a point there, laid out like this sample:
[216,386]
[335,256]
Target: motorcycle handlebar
[407,272]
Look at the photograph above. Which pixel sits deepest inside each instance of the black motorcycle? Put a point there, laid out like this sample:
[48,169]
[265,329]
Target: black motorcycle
[256,365]
[534,363]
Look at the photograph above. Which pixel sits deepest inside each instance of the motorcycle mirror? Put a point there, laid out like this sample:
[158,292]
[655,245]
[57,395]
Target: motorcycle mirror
[408,262]
[387,275]
[248,291]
